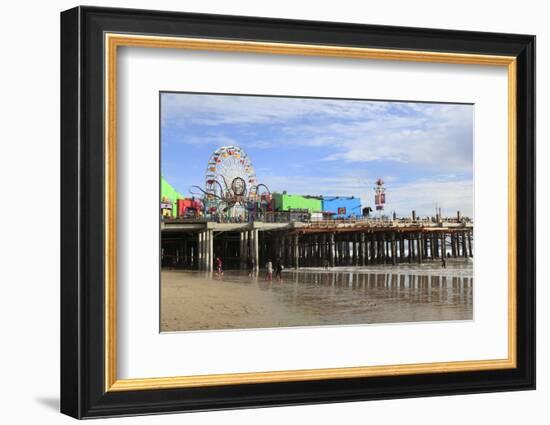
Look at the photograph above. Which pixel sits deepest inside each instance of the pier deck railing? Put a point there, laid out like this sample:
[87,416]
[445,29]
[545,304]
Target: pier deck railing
[286,218]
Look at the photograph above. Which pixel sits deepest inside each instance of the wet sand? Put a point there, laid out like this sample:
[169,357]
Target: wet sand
[314,297]
[199,301]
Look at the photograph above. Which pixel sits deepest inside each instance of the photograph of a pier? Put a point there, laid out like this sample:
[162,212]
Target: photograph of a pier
[293,211]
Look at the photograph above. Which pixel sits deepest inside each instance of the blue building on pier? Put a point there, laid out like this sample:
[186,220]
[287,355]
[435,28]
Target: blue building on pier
[342,206]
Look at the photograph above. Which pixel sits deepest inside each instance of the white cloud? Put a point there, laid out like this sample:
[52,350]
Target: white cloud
[436,136]
[423,196]
[214,140]
[439,140]
[223,110]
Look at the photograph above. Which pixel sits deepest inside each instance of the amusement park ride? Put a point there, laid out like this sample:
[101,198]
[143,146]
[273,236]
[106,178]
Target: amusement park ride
[231,189]
[231,192]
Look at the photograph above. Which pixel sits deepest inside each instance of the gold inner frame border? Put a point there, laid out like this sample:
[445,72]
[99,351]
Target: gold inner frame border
[113,40]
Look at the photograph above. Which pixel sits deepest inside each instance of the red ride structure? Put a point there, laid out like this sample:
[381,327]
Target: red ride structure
[190,207]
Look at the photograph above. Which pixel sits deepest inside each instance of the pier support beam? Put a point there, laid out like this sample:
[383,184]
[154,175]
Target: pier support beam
[322,254]
[401,247]
[296,251]
[355,249]
[435,246]
[393,249]
[246,248]
[288,250]
[385,248]
[453,245]
[420,242]
[200,250]
[317,251]
[362,249]
[331,248]
[255,246]
[372,242]
[210,251]
[242,257]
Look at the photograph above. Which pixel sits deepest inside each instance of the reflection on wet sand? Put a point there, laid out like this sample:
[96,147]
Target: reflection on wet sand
[309,297]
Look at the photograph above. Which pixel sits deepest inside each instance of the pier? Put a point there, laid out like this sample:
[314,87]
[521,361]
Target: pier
[195,243]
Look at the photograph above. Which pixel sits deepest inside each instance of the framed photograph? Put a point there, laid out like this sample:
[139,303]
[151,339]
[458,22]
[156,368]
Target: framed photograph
[261,212]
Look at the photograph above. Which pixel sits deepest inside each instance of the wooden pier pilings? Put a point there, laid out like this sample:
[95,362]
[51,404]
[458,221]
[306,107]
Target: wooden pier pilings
[361,248]
[299,245]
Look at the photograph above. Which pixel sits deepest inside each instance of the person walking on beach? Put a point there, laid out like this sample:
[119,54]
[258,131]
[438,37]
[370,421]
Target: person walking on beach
[219,266]
[269,268]
[279,269]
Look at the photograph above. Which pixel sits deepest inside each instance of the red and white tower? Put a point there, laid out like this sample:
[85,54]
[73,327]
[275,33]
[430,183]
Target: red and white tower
[379,195]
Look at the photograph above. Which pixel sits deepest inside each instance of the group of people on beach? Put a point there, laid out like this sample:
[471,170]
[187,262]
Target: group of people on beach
[269,269]
[278,270]
[253,271]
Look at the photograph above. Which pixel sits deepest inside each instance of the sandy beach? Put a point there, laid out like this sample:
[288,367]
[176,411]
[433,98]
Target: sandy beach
[193,301]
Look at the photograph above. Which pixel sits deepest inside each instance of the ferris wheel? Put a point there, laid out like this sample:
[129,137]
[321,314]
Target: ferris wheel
[230,178]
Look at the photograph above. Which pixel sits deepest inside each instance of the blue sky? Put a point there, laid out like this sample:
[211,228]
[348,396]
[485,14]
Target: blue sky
[423,151]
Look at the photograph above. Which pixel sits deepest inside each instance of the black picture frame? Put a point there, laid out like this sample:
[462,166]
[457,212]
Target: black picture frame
[83,392]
